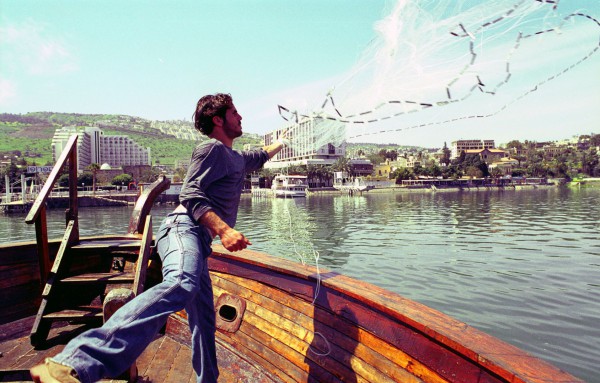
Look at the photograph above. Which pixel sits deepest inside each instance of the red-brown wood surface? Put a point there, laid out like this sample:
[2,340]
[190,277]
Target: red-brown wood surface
[315,339]
[450,347]
[144,204]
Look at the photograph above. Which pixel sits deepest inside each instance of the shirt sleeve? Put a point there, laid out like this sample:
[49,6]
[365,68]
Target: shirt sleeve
[255,159]
[203,171]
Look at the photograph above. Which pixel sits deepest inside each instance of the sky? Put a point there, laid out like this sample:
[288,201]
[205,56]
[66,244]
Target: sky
[154,59]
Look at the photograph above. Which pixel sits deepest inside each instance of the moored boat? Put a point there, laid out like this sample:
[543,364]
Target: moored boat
[285,185]
[344,183]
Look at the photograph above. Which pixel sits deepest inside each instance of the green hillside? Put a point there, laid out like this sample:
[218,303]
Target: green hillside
[28,136]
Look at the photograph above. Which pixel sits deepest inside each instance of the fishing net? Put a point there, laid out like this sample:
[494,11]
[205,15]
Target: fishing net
[441,62]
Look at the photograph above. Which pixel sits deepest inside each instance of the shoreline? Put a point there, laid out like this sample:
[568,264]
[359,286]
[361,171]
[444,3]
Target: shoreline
[400,189]
[172,199]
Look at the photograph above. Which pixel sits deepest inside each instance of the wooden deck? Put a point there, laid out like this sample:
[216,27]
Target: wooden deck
[165,359]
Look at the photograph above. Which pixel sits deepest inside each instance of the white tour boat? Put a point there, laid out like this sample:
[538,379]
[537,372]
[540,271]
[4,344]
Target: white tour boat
[289,185]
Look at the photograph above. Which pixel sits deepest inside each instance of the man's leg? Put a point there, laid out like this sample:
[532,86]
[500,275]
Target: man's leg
[110,349]
[201,319]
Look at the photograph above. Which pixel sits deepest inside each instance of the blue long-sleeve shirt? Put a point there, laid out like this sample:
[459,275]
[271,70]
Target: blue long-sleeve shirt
[215,179]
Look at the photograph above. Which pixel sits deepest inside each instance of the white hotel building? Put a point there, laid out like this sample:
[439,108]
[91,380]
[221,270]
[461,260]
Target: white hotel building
[94,147]
[304,150]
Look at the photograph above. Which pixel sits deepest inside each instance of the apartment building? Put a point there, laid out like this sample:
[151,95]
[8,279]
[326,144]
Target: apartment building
[464,145]
[94,147]
[308,147]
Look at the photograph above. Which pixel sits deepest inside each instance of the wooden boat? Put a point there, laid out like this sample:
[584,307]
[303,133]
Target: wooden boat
[278,321]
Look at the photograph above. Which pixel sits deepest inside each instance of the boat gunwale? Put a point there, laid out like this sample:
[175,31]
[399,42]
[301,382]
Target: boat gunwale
[503,359]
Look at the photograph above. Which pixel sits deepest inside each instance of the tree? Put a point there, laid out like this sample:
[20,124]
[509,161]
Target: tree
[122,179]
[63,181]
[473,172]
[496,173]
[401,174]
[94,167]
[473,160]
[432,169]
[342,165]
[85,178]
[445,160]
[514,144]
[179,175]
[375,158]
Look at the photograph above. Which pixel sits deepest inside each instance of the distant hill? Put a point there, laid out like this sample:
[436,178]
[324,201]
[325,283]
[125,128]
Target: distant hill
[30,135]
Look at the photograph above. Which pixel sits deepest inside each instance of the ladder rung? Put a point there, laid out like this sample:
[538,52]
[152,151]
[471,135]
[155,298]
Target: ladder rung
[82,313]
[101,277]
[114,244]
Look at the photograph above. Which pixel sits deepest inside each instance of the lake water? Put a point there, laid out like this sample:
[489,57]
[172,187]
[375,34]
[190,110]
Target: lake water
[522,265]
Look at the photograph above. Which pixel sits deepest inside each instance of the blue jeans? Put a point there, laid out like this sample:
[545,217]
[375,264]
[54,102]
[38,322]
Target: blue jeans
[183,247]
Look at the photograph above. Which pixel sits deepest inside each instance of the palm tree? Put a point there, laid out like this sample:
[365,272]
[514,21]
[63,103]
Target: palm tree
[342,165]
[93,167]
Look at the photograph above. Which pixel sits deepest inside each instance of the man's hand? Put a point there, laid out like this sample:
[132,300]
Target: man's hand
[233,240]
[284,138]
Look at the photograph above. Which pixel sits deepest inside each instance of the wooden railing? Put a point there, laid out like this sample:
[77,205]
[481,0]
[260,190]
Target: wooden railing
[37,213]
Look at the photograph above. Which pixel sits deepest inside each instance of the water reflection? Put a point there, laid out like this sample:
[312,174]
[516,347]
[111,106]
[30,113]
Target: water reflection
[521,265]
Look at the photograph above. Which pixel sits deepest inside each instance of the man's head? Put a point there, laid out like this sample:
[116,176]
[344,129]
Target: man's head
[208,107]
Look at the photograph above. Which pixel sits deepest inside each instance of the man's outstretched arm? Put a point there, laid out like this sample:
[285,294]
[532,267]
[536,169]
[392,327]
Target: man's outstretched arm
[231,239]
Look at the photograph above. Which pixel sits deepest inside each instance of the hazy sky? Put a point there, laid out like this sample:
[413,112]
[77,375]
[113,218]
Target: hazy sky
[154,59]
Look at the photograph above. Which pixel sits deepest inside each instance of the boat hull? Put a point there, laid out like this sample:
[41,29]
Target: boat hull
[289,193]
[299,324]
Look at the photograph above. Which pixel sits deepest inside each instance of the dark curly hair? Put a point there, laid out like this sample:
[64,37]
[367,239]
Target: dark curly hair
[208,107]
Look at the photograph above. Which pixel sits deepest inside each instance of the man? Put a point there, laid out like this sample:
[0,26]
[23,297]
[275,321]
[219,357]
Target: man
[209,202]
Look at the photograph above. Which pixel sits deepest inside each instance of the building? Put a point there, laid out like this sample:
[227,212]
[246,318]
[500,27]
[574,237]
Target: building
[314,143]
[383,169]
[360,167]
[505,165]
[94,147]
[489,155]
[464,145]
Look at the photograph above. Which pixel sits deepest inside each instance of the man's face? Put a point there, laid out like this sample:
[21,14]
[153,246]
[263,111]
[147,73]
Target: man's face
[232,125]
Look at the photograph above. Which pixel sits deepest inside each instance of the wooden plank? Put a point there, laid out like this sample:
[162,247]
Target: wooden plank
[40,201]
[450,365]
[19,301]
[499,358]
[108,244]
[143,258]
[89,313]
[41,235]
[299,335]
[143,361]
[15,376]
[270,361]
[117,277]
[182,370]
[234,366]
[160,366]
[39,331]
[18,274]
[303,314]
[144,204]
